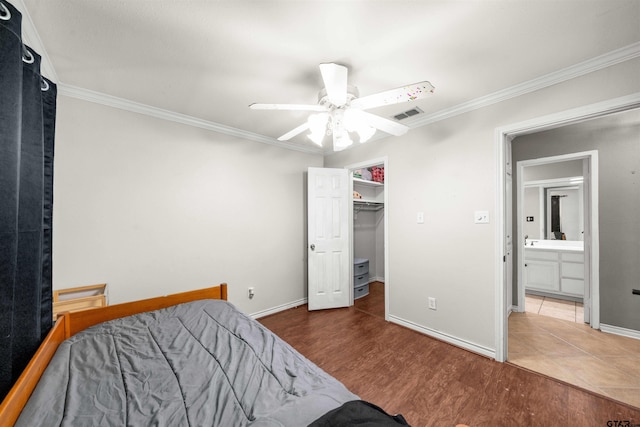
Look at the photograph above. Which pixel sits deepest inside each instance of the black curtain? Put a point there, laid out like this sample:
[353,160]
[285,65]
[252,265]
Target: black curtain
[27,127]
[555,214]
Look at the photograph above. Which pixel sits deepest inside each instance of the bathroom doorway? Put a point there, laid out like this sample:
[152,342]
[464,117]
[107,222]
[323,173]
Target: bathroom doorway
[556,222]
[503,139]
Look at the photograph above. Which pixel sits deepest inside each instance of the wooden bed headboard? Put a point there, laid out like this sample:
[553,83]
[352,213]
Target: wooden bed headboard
[69,324]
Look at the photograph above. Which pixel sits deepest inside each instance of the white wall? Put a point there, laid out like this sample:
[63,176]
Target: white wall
[154,207]
[448,170]
[566,169]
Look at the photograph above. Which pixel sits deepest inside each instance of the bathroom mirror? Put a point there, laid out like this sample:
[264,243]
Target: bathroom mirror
[553,209]
[564,220]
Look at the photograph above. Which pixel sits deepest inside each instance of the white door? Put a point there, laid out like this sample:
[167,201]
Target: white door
[328,238]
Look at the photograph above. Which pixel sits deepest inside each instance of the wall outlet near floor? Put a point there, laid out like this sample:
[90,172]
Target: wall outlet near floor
[251,293]
[432,303]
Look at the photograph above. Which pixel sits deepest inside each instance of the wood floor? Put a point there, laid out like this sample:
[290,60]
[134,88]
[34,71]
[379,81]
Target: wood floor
[433,383]
[373,303]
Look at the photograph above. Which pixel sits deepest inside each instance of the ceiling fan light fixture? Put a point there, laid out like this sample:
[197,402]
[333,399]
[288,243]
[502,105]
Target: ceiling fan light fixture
[365,133]
[355,122]
[341,140]
[318,126]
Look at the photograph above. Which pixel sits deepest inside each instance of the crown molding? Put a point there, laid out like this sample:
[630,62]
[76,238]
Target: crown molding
[617,56]
[136,107]
[31,37]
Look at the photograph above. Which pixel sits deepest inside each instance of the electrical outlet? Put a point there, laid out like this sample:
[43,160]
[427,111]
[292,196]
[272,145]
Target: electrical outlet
[251,293]
[420,217]
[432,303]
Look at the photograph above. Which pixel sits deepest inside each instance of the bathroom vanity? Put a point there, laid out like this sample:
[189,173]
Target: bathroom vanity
[554,267]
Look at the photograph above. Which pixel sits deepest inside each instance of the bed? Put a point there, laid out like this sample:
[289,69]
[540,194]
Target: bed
[183,359]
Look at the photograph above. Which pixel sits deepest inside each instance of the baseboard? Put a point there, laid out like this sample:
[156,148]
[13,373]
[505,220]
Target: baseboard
[376,279]
[617,330]
[475,348]
[278,309]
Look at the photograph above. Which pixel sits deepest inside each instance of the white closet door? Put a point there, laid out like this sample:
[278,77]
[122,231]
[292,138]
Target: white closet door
[328,238]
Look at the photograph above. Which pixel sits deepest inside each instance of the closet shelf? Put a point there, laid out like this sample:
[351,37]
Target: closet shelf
[368,183]
[363,204]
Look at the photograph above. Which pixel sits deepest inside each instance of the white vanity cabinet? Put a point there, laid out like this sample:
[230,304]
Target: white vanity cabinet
[542,271]
[572,273]
[559,272]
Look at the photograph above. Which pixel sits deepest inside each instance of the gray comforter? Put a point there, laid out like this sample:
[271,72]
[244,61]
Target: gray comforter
[202,363]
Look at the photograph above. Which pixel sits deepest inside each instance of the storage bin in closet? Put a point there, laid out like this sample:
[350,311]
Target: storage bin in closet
[360,277]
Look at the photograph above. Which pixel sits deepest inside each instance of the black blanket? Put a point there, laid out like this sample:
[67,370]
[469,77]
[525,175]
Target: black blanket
[359,413]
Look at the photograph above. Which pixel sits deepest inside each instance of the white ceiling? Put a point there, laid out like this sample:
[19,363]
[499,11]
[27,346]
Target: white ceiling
[211,59]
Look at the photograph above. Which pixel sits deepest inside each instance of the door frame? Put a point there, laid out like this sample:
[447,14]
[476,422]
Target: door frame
[365,164]
[502,143]
[590,226]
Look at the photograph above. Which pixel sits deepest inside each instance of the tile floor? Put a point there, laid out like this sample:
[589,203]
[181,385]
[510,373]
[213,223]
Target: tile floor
[565,348]
[553,307]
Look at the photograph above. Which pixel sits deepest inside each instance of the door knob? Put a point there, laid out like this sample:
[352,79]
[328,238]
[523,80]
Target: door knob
[312,247]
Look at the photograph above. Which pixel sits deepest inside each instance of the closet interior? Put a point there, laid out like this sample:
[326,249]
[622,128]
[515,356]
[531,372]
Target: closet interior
[368,228]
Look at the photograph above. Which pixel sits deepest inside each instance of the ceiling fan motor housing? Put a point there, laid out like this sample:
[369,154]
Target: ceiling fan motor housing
[323,99]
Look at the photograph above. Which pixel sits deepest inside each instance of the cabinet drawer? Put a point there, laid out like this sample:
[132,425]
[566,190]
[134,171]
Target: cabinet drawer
[573,286]
[543,255]
[360,280]
[361,292]
[570,256]
[573,269]
[360,266]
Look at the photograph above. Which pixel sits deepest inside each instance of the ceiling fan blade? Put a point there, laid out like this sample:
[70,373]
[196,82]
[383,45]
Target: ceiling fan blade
[290,107]
[287,136]
[381,123]
[394,96]
[335,82]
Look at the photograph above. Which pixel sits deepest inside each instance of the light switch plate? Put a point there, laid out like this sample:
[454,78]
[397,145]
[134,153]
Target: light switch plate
[481,217]
[420,217]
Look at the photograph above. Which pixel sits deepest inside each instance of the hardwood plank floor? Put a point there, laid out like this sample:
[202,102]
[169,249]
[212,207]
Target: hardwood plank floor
[373,303]
[431,382]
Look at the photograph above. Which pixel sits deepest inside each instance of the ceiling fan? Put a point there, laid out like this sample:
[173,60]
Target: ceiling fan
[339,109]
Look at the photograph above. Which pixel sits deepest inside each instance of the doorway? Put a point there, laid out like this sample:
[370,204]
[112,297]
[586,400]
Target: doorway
[373,205]
[569,351]
[503,140]
[557,221]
